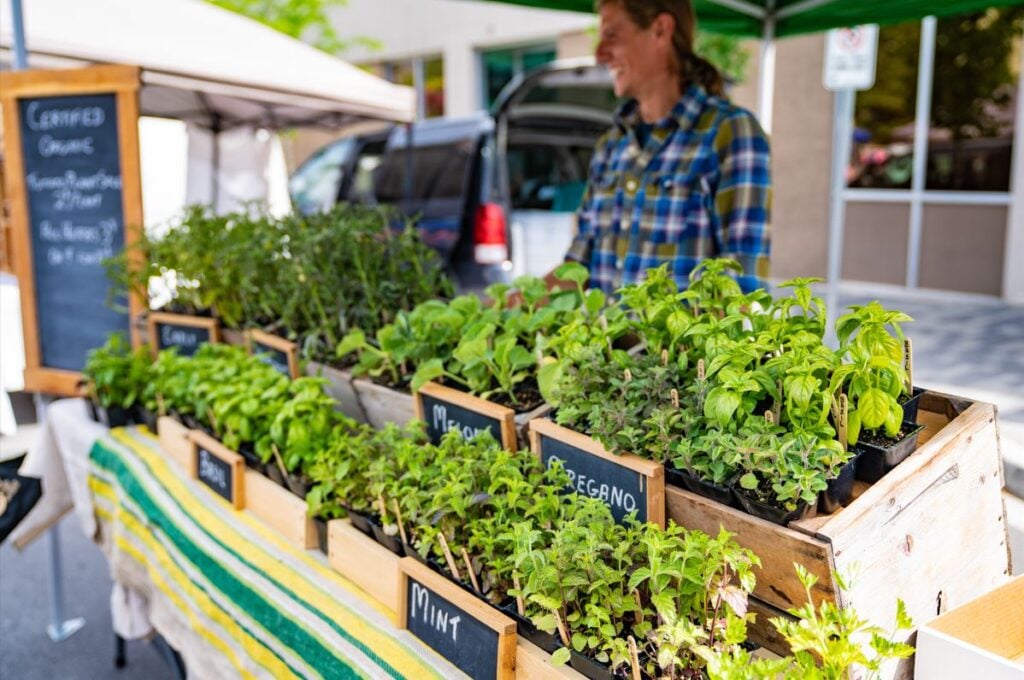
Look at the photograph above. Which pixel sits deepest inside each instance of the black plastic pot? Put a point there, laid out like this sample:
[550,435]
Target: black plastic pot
[252,461]
[392,543]
[595,670]
[410,551]
[94,411]
[840,490]
[143,416]
[772,513]
[321,534]
[273,471]
[115,416]
[683,478]
[549,642]
[360,521]
[911,404]
[876,461]
[297,485]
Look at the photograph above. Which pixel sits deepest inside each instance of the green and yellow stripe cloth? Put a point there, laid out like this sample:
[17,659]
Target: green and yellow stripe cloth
[226,590]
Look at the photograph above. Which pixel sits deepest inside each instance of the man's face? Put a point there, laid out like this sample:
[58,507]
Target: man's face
[635,57]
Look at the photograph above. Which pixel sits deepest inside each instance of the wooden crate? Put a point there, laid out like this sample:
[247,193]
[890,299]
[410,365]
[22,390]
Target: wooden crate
[365,562]
[383,405]
[931,532]
[340,388]
[280,509]
[175,443]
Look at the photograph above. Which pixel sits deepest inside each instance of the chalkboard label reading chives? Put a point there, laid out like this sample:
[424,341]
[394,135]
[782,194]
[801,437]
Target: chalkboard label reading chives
[186,333]
[476,638]
[72,172]
[444,409]
[625,483]
[280,354]
[218,467]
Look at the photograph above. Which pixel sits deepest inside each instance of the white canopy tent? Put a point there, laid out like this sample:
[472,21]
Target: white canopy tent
[205,65]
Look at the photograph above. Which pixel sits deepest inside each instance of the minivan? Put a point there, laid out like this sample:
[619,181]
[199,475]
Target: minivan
[495,193]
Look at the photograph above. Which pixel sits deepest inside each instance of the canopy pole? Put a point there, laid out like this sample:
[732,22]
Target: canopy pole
[766,81]
[215,126]
[842,139]
[410,165]
[18,24]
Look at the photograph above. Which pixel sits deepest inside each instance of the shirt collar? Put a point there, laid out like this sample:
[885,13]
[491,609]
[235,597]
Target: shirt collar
[684,113]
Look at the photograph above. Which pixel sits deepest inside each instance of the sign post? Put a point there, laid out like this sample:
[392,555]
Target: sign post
[850,56]
[74,184]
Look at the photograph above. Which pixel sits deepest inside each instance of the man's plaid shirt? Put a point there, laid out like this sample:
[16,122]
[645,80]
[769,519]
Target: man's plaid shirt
[699,188]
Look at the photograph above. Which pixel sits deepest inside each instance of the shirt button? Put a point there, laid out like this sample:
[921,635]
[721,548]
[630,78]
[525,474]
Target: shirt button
[631,185]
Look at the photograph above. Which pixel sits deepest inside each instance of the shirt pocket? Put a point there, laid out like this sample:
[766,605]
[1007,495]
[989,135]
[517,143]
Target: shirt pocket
[606,202]
[674,207]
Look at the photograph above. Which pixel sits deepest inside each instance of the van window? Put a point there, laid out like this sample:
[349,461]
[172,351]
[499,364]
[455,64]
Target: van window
[441,172]
[547,176]
[314,186]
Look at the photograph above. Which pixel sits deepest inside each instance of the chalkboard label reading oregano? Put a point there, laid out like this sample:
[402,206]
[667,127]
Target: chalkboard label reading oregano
[445,409]
[471,635]
[218,467]
[186,333]
[626,484]
[280,354]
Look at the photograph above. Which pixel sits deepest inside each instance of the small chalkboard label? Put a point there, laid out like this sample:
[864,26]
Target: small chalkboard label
[476,638]
[444,409]
[186,333]
[625,483]
[218,467]
[278,353]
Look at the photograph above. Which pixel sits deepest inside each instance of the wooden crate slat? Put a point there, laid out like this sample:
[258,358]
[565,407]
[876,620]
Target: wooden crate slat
[365,562]
[280,509]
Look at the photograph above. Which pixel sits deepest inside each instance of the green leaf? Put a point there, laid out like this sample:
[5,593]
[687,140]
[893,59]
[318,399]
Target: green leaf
[560,657]
[427,371]
[873,407]
[350,343]
[748,481]
[572,271]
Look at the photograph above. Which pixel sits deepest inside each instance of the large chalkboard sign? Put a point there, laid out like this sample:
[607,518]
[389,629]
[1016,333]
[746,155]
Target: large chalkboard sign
[476,638]
[72,141]
[186,333]
[280,354]
[444,409]
[219,468]
[625,483]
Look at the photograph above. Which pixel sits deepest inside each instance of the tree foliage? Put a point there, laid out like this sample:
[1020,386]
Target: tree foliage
[301,19]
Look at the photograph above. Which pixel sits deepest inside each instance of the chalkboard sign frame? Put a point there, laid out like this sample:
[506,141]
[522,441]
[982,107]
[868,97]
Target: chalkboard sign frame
[200,439]
[503,626]
[157,319]
[123,82]
[654,473]
[255,338]
[505,416]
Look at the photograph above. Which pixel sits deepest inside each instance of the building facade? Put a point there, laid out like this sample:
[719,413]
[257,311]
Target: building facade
[935,196]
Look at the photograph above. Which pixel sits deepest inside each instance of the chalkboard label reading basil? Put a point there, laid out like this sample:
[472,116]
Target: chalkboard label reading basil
[186,333]
[626,484]
[276,352]
[477,639]
[72,180]
[444,409]
[218,467]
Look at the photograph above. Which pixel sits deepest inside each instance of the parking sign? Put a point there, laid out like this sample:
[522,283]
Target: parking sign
[850,57]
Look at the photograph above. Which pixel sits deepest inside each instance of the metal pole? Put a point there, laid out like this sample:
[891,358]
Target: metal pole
[59,628]
[410,166]
[419,82]
[922,116]
[841,142]
[18,24]
[215,126]
[766,89]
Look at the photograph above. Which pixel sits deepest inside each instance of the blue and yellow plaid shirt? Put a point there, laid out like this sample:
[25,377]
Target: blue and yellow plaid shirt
[699,188]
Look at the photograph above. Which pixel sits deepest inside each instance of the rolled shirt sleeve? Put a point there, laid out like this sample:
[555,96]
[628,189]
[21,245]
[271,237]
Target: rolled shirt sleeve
[743,199]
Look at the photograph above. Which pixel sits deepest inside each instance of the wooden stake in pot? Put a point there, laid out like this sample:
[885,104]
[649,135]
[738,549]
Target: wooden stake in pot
[449,557]
[520,605]
[842,422]
[398,518]
[908,364]
[472,574]
[700,370]
[634,658]
[279,461]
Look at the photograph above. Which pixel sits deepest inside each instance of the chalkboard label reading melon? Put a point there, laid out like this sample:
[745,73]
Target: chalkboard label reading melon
[186,333]
[218,467]
[626,484]
[444,409]
[474,637]
[72,180]
[278,353]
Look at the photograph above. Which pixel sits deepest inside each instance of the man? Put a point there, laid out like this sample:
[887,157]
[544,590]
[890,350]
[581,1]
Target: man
[683,175]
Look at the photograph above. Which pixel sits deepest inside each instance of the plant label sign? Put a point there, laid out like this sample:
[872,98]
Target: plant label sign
[71,154]
[278,353]
[473,636]
[444,409]
[219,468]
[626,483]
[186,333]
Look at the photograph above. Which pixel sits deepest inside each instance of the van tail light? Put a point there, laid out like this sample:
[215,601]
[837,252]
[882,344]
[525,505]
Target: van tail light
[489,235]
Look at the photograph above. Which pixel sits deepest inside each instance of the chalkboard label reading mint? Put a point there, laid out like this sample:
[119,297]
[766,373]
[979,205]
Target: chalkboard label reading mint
[72,169]
[622,489]
[188,339]
[275,358]
[444,409]
[215,473]
[447,629]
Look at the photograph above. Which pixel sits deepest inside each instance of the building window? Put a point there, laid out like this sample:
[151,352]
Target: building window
[501,66]
[970,131]
[428,70]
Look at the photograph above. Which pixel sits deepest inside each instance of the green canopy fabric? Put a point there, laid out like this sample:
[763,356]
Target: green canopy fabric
[793,17]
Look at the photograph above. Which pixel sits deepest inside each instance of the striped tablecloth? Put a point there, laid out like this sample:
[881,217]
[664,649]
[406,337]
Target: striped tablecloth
[227,591]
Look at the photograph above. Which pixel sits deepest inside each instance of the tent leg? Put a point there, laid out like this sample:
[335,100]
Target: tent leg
[18,23]
[841,142]
[60,629]
[215,162]
[766,80]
